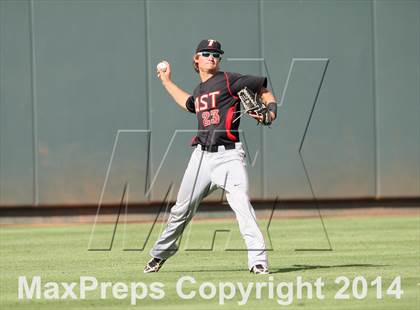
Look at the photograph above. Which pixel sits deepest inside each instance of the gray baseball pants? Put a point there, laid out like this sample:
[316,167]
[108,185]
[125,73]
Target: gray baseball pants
[205,172]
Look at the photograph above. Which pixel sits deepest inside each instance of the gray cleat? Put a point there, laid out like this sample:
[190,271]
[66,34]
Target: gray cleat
[154,265]
[259,269]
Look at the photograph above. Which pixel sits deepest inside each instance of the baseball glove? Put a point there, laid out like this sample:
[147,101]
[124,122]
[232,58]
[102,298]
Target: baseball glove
[252,104]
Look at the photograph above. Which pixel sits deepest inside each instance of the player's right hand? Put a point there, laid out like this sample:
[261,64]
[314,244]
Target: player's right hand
[164,76]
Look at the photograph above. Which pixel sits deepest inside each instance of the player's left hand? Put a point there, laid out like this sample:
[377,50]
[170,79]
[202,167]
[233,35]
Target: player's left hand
[258,117]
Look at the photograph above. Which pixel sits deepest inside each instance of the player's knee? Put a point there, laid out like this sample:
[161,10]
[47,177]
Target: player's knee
[179,210]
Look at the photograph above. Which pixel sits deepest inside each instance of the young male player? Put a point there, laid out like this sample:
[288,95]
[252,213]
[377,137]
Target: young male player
[218,157]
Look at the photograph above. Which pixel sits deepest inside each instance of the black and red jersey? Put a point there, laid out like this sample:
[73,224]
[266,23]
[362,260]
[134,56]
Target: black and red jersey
[216,105]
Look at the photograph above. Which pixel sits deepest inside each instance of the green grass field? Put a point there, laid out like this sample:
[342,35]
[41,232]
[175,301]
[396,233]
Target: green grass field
[368,247]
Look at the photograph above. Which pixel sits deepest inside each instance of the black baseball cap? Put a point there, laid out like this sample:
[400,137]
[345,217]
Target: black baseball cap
[209,45]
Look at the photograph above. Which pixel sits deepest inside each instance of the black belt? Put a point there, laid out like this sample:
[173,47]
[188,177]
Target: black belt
[215,148]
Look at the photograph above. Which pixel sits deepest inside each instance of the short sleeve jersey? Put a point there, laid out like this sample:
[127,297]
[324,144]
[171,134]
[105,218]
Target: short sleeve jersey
[216,105]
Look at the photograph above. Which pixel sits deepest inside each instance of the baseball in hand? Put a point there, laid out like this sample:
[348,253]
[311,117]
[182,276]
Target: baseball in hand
[161,66]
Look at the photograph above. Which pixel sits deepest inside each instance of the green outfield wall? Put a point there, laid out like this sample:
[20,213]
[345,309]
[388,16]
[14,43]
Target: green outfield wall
[75,75]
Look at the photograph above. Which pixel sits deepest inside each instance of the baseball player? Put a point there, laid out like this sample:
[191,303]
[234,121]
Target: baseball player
[218,158]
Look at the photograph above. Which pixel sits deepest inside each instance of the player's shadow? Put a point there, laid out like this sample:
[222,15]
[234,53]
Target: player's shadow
[206,270]
[279,270]
[311,267]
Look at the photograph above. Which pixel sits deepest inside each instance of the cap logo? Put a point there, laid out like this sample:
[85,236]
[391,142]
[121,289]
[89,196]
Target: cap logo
[211,42]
